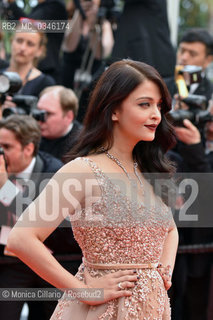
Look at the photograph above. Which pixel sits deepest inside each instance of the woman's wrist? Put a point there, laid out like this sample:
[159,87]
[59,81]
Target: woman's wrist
[166,274]
[167,269]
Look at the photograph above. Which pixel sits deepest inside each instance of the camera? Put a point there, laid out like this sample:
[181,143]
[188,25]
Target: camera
[83,77]
[197,104]
[26,105]
[4,12]
[109,9]
[10,83]
[198,117]
[1,151]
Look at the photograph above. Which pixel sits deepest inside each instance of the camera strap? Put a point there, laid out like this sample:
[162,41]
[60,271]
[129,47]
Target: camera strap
[25,80]
[83,76]
[28,75]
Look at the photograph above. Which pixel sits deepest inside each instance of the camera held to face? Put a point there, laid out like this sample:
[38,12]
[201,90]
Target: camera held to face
[10,83]
[196,104]
[1,151]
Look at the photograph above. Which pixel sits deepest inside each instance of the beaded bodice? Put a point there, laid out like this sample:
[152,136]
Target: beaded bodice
[115,229]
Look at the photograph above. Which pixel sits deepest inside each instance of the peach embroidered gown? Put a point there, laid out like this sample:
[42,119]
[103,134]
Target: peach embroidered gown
[118,232]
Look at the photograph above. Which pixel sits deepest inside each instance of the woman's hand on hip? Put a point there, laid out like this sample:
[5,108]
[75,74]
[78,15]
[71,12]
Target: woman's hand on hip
[112,285]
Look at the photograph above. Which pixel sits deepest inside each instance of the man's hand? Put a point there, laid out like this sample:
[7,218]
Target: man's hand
[179,104]
[3,171]
[91,10]
[8,103]
[188,134]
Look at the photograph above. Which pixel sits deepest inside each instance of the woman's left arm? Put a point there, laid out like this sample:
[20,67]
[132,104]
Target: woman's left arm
[167,260]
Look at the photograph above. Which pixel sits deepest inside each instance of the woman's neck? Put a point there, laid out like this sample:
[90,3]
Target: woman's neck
[21,69]
[122,147]
[122,153]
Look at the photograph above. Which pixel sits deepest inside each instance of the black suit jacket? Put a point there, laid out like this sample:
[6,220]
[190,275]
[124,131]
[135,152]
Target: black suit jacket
[60,146]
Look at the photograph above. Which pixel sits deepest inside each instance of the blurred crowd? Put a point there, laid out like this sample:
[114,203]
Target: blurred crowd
[44,90]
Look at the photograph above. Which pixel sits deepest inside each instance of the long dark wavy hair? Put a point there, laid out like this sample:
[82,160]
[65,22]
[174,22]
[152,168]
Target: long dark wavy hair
[115,84]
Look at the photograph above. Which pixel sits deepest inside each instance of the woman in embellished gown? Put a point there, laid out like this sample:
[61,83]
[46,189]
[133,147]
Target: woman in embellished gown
[126,231]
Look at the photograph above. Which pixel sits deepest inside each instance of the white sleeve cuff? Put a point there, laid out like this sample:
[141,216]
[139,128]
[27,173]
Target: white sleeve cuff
[8,192]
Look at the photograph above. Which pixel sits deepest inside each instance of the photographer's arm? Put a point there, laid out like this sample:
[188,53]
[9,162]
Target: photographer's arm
[101,43]
[8,103]
[80,27]
[9,193]
[73,34]
[8,190]
[188,134]
[192,149]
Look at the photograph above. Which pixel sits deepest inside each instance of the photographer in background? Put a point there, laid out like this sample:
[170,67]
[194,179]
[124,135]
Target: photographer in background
[196,49]
[21,165]
[45,10]
[76,40]
[26,50]
[191,295]
[86,46]
[61,129]
[197,155]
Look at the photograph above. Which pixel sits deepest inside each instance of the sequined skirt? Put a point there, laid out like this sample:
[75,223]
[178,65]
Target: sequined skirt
[149,300]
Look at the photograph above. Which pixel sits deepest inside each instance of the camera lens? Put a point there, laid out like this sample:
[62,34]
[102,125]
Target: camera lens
[10,82]
[9,111]
[4,84]
[39,115]
[1,151]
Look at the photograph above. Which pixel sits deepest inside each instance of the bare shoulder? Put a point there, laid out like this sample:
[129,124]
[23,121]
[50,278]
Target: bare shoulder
[78,165]
[81,165]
